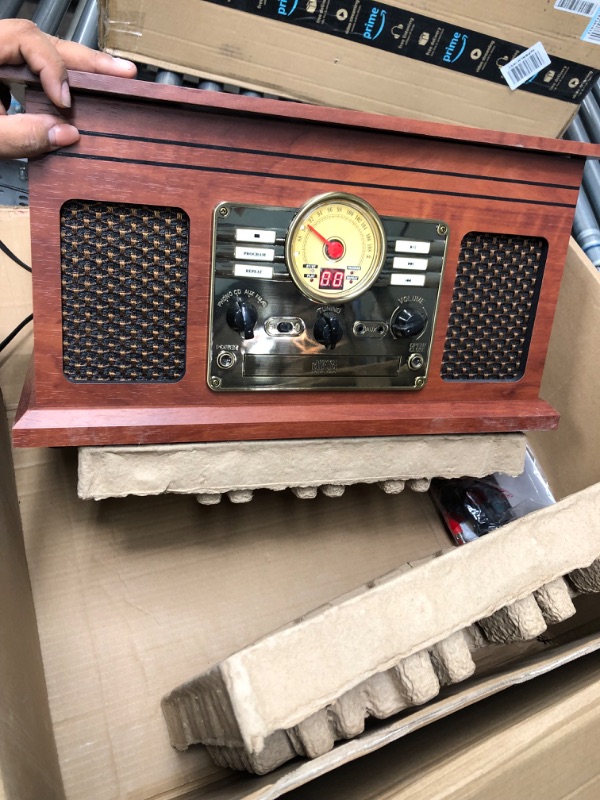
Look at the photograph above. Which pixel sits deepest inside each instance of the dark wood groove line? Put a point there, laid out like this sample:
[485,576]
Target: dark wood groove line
[322,159]
[308,179]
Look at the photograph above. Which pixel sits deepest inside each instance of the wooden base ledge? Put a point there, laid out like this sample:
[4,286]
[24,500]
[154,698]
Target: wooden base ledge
[79,427]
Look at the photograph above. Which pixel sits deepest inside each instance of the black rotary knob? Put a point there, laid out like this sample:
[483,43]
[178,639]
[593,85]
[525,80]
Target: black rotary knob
[241,317]
[328,330]
[408,320]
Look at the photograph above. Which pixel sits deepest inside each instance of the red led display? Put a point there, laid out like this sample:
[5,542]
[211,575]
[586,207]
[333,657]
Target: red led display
[332,278]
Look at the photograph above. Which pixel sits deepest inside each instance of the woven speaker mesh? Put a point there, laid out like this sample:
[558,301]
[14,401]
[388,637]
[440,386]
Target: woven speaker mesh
[493,307]
[124,291]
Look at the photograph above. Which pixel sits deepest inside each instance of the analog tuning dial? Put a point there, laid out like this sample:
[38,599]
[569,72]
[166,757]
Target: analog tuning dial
[328,330]
[335,247]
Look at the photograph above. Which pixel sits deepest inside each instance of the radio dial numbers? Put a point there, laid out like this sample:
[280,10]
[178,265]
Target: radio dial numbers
[335,248]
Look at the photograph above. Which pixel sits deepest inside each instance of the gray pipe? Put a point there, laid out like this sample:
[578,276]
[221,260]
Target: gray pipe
[585,229]
[75,19]
[10,8]
[596,91]
[591,171]
[49,14]
[210,86]
[576,131]
[590,115]
[86,27]
[169,78]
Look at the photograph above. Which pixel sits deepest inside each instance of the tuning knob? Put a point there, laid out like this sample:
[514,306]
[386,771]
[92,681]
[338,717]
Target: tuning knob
[328,330]
[241,317]
[408,320]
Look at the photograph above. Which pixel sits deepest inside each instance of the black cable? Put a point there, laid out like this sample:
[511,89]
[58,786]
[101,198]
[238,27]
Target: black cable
[14,332]
[12,256]
[7,251]
[14,188]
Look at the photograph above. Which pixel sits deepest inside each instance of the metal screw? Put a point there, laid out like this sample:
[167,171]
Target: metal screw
[23,172]
[224,211]
[419,382]
[442,229]
[215,383]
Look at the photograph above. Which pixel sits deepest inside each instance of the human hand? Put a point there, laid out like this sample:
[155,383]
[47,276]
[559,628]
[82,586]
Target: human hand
[22,42]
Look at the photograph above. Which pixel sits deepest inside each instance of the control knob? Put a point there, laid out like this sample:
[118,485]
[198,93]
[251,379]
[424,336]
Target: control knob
[408,320]
[328,330]
[241,317]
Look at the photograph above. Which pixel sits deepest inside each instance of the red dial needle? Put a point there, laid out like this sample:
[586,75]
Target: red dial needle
[334,248]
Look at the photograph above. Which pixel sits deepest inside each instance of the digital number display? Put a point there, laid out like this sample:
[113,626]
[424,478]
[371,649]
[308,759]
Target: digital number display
[332,278]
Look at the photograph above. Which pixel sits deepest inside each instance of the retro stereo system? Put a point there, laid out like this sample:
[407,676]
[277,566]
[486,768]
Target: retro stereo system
[213,267]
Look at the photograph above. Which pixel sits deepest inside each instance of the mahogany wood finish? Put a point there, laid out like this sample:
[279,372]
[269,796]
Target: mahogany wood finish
[161,145]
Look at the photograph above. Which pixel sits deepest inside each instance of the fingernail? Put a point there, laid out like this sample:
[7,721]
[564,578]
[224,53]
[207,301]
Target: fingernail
[65,95]
[62,135]
[125,65]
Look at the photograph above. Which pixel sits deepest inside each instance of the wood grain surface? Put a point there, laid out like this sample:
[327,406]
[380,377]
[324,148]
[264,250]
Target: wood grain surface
[159,145]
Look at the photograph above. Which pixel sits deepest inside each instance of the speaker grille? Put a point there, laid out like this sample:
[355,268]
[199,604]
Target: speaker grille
[493,307]
[124,279]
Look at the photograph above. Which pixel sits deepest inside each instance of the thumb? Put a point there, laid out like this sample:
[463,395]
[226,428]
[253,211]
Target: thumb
[26,135]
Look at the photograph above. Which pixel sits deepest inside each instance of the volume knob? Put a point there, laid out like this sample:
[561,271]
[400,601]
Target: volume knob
[241,317]
[328,330]
[408,320]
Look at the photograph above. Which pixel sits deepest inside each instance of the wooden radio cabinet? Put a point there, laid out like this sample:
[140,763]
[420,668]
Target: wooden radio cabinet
[215,267]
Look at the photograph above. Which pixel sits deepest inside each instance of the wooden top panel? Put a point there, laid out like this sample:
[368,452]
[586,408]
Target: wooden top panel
[241,104]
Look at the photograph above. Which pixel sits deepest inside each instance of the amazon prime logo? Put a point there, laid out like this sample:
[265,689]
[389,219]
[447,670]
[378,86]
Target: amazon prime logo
[286,8]
[374,25]
[456,47]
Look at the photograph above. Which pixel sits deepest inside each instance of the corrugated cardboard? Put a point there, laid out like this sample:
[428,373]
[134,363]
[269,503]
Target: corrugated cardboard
[200,38]
[25,725]
[536,741]
[134,595]
[571,381]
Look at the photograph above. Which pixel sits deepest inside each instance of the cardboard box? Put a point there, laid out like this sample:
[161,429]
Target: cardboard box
[403,58]
[135,595]
[536,740]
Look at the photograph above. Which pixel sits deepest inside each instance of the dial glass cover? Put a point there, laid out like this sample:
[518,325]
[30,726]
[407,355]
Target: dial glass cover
[335,247]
